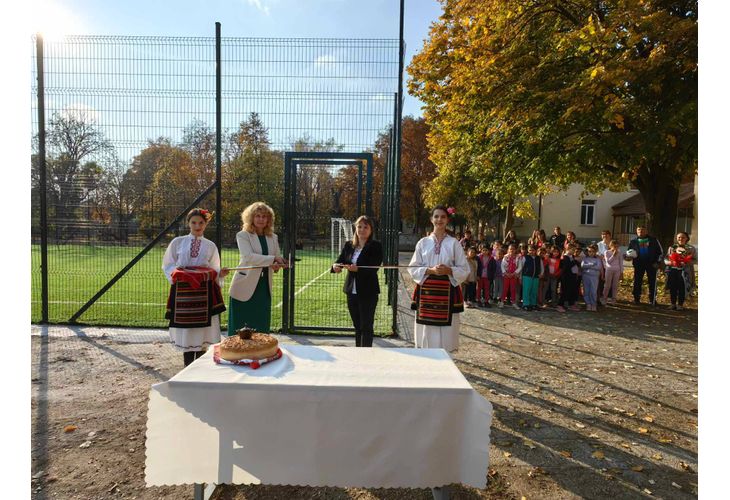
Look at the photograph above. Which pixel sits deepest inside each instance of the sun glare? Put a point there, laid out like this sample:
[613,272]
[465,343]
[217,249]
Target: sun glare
[53,20]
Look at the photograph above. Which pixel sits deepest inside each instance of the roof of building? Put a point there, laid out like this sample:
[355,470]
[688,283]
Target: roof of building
[635,204]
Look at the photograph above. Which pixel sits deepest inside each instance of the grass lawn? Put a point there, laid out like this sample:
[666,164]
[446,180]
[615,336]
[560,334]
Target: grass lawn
[77,272]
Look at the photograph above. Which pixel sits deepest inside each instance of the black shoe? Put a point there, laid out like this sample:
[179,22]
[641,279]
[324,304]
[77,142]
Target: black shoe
[674,307]
[486,305]
[637,301]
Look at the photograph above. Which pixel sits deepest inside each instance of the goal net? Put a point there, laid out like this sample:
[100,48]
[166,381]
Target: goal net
[341,232]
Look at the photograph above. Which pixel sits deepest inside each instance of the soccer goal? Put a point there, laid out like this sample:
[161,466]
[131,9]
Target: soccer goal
[341,231]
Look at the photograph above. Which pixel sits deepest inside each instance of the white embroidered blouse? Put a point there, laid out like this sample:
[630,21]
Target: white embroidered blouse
[190,250]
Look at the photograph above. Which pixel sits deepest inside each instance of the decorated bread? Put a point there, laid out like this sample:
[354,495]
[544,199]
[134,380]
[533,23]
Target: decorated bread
[248,344]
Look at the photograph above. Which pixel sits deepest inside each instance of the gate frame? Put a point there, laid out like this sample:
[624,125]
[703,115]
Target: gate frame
[293,160]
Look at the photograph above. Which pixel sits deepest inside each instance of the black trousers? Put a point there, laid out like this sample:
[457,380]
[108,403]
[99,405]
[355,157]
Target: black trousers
[677,285]
[190,356]
[568,289]
[639,269]
[362,312]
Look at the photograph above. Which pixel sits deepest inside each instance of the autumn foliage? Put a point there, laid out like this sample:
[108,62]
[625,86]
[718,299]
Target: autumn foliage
[523,96]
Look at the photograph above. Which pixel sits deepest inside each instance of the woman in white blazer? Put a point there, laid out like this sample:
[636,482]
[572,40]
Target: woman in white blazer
[250,292]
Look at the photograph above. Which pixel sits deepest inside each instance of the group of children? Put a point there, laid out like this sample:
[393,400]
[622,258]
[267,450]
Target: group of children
[542,276]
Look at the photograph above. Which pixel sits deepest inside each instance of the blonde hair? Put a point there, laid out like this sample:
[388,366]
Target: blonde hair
[367,220]
[251,210]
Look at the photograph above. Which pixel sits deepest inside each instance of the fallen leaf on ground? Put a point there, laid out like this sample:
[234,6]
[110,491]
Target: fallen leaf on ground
[649,418]
[536,472]
[599,454]
[566,454]
[676,485]
[664,440]
[637,468]
[656,456]
[593,435]
[529,444]
[686,467]
[507,454]
[647,491]
[643,430]
[626,445]
[70,428]
[580,426]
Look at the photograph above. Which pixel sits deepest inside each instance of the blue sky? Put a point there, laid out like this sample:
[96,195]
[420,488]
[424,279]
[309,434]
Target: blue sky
[242,18]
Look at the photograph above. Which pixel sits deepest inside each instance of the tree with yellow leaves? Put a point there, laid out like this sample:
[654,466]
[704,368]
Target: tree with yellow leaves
[523,96]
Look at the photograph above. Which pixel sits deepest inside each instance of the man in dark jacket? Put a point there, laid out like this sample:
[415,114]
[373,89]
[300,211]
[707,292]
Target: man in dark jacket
[646,259]
[557,239]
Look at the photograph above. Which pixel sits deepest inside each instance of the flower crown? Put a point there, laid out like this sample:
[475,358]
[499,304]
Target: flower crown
[451,211]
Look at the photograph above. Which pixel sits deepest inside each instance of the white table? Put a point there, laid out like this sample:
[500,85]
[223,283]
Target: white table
[320,416]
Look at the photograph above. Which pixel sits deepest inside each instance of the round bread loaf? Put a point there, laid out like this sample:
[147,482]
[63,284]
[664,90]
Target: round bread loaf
[248,345]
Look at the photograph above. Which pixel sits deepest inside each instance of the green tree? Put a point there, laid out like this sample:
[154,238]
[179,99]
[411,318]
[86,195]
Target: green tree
[525,96]
[75,148]
[252,172]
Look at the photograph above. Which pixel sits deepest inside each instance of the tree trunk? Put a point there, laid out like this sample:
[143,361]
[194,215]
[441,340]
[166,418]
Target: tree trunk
[509,217]
[660,193]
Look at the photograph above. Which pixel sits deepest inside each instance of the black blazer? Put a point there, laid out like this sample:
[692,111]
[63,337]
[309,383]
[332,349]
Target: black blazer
[366,279]
[655,252]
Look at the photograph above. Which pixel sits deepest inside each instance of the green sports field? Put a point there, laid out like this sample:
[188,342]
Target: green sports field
[77,272]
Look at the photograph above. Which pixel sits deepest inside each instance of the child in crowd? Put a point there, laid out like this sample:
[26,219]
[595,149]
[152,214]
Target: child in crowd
[613,265]
[511,269]
[498,277]
[496,247]
[679,257]
[552,273]
[543,254]
[484,261]
[521,253]
[592,269]
[531,274]
[470,285]
[569,268]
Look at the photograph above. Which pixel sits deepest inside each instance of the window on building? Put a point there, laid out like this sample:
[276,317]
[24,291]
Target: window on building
[588,213]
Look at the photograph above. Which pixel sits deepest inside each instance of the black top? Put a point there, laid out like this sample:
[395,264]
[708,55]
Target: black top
[365,279]
[557,240]
[532,266]
[653,255]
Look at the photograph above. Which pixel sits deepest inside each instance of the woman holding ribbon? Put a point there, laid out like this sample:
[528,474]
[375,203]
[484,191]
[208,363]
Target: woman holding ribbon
[361,286]
[439,267]
[192,266]
[250,292]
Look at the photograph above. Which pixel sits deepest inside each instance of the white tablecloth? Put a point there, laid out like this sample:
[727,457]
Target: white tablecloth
[320,416]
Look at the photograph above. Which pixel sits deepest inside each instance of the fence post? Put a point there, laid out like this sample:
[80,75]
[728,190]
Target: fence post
[218,200]
[42,167]
[396,180]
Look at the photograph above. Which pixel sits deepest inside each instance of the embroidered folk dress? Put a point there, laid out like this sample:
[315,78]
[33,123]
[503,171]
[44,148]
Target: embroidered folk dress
[429,254]
[193,251]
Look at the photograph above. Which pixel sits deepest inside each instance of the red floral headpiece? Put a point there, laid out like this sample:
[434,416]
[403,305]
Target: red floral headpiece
[451,211]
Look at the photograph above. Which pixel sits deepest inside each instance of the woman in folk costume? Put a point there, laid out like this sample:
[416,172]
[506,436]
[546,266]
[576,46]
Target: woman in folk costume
[250,292]
[192,265]
[442,267]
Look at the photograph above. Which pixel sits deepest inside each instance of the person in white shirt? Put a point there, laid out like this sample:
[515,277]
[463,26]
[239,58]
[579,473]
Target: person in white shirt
[187,251]
[440,262]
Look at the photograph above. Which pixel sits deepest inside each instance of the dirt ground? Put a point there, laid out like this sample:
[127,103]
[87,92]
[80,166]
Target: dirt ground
[586,405]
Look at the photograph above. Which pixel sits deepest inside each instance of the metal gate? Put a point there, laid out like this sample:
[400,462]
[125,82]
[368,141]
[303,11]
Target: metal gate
[321,187]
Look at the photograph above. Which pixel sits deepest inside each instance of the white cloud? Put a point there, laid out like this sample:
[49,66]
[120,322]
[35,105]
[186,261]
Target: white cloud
[260,5]
[81,112]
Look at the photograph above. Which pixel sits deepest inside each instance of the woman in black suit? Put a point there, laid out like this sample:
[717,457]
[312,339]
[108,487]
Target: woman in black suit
[361,286]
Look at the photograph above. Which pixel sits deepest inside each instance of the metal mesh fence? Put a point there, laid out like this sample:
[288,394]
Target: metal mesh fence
[130,142]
